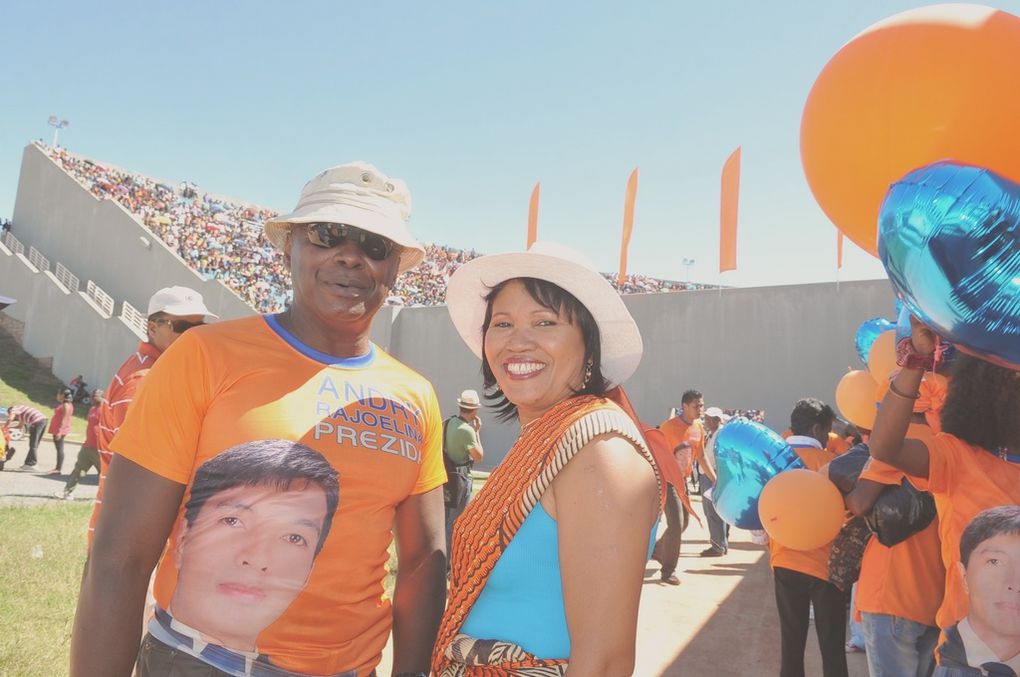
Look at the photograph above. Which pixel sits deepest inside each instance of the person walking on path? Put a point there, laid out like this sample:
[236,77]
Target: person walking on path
[60,426]
[33,422]
[88,455]
[462,448]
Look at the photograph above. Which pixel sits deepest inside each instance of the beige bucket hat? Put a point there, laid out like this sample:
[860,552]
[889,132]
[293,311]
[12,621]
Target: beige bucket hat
[358,195]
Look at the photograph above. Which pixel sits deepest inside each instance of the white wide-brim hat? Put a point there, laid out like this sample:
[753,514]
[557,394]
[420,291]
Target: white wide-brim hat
[359,195]
[567,269]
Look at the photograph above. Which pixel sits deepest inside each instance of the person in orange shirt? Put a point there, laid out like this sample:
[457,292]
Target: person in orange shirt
[972,465]
[171,312]
[801,577]
[686,436]
[900,587]
[312,378]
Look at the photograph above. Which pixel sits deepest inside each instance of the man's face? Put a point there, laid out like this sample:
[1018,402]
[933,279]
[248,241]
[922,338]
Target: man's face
[338,283]
[167,329]
[469,414]
[992,577]
[712,423]
[821,433]
[693,409]
[245,558]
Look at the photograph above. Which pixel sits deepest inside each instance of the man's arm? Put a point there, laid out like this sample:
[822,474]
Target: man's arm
[420,594]
[476,452]
[139,509]
[862,499]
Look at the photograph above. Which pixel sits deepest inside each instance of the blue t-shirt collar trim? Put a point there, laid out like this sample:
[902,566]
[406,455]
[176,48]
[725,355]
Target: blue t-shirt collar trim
[332,360]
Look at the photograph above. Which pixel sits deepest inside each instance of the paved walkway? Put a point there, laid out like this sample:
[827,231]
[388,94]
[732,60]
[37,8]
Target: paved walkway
[720,621]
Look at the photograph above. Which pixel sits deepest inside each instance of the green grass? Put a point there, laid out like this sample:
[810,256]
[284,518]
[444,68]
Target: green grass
[38,594]
[24,381]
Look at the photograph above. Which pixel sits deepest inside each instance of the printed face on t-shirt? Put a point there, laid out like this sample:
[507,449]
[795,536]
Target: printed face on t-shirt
[245,558]
[992,575]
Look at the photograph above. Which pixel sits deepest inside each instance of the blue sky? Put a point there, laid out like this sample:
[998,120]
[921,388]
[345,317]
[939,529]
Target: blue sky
[470,102]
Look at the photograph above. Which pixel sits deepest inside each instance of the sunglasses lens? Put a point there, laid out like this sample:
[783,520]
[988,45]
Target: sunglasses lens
[324,235]
[376,247]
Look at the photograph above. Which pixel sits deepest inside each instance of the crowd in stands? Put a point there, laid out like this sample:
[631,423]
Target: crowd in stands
[223,240]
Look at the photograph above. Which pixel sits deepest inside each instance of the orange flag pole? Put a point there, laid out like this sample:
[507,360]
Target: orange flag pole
[628,223]
[839,249]
[533,215]
[729,201]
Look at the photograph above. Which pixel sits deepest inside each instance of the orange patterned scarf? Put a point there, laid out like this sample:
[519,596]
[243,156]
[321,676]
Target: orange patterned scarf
[491,520]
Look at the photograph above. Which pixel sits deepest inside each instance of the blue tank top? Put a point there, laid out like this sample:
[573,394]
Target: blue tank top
[522,602]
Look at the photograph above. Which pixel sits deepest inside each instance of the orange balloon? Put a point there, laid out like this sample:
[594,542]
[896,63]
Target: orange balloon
[932,83]
[882,356]
[856,395]
[801,509]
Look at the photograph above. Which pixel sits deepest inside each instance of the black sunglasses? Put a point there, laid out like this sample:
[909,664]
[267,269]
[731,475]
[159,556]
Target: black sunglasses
[179,326]
[329,235]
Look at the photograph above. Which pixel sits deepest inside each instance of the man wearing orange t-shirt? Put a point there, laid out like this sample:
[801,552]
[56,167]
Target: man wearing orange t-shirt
[172,311]
[900,587]
[802,577]
[686,436]
[267,464]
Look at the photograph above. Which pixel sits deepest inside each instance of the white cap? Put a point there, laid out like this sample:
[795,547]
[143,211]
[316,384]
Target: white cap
[716,412]
[178,301]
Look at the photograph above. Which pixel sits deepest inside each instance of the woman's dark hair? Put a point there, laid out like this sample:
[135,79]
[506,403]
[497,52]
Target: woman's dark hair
[560,301]
[983,405]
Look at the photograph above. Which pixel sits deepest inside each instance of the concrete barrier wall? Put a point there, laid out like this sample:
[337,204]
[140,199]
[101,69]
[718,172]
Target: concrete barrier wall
[62,325]
[758,348]
[101,241]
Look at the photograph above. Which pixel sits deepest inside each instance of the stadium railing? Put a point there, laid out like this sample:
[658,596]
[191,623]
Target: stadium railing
[67,278]
[103,300]
[35,257]
[134,319]
[13,243]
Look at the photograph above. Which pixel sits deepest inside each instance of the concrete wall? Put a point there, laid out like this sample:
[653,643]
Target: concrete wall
[101,241]
[64,326]
[759,348]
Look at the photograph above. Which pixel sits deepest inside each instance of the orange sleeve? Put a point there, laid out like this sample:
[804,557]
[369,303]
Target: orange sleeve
[883,473]
[164,421]
[432,472]
[942,459]
[673,436]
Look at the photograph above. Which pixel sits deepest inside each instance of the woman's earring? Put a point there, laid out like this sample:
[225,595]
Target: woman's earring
[587,375]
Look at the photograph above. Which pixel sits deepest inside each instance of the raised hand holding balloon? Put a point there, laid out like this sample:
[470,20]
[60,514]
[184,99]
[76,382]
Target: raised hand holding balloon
[949,238]
[748,455]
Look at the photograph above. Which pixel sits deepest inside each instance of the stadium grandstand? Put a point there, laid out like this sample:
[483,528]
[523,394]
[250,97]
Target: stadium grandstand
[222,239]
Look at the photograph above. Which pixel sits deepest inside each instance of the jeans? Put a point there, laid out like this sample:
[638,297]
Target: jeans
[667,549]
[58,444]
[35,435]
[718,530]
[856,630]
[88,457]
[459,486]
[796,592]
[898,647]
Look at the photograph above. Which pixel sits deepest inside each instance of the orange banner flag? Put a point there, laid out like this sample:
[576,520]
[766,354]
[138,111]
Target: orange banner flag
[628,223]
[730,198]
[839,249]
[533,215]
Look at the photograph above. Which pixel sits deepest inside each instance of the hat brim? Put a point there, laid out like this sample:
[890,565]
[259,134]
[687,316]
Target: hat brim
[620,338]
[411,251]
[468,405]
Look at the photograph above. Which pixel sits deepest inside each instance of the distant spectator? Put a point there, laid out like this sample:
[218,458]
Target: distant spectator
[88,455]
[60,426]
[33,422]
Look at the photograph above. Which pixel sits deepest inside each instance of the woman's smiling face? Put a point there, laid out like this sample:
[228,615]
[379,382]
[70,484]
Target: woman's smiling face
[536,354]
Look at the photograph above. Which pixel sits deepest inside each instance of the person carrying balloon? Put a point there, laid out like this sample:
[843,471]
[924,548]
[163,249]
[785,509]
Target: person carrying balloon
[801,576]
[972,465]
[548,559]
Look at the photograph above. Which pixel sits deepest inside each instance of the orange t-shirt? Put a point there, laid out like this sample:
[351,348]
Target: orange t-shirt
[260,561]
[811,562]
[908,579]
[964,479]
[690,437]
[112,411]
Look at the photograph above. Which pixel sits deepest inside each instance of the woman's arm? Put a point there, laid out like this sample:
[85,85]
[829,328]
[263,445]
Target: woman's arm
[888,441]
[605,502]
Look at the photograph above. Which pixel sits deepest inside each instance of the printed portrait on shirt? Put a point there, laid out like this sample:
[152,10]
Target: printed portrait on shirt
[256,519]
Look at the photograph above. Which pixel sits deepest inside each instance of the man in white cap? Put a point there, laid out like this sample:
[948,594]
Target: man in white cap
[462,448]
[718,530]
[309,376]
[172,311]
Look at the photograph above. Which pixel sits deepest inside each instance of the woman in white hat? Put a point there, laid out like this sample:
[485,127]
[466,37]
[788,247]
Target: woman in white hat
[548,560]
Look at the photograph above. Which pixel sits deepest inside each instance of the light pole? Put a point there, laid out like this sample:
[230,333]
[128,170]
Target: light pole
[57,126]
[687,272]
